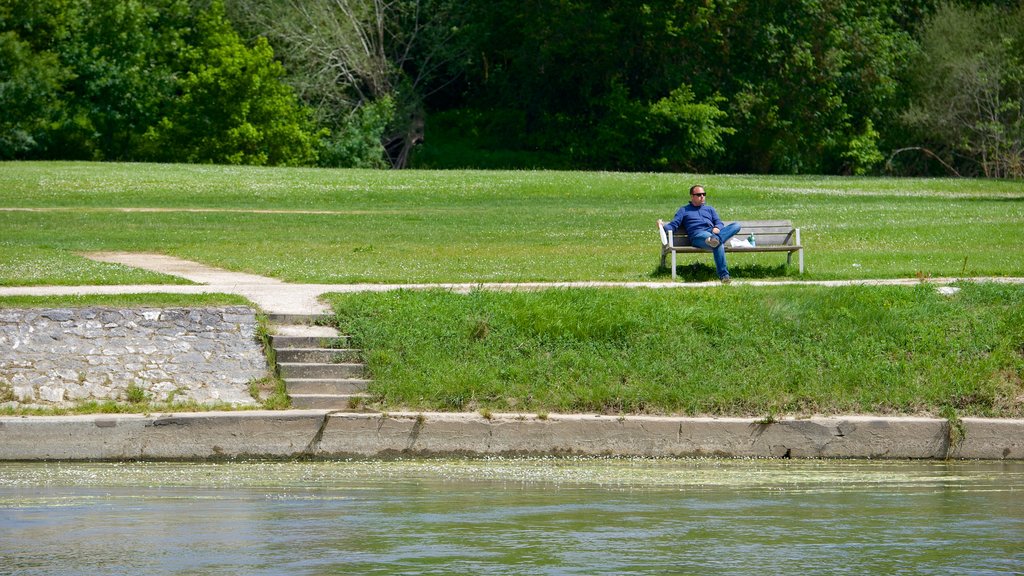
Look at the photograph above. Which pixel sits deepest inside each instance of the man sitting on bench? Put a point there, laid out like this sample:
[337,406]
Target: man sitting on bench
[705,229]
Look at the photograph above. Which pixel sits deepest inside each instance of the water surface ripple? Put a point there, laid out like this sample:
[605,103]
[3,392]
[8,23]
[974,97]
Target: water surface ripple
[513,516]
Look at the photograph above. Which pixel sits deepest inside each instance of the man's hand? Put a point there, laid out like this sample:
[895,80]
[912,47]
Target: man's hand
[715,230]
[660,223]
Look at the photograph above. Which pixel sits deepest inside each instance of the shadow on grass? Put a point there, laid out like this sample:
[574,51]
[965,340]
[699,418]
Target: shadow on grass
[701,272]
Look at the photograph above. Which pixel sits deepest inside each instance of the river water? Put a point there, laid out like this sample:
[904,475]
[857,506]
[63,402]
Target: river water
[513,516]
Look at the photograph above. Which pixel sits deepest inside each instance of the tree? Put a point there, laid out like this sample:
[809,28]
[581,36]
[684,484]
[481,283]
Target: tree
[133,80]
[232,106]
[801,85]
[365,65]
[807,81]
[29,85]
[968,94]
[687,129]
[98,67]
[673,133]
[596,83]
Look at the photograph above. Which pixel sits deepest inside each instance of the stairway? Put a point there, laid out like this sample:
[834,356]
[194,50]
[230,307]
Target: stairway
[317,365]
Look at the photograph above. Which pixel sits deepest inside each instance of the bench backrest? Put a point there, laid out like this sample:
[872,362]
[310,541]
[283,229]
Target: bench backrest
[766,232]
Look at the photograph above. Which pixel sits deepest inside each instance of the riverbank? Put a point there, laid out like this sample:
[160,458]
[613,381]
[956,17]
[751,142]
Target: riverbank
[746,350]
[737,351]
[490,431]
[290,434]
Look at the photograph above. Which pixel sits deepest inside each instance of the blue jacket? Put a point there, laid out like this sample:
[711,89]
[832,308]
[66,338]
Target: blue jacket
[694,219]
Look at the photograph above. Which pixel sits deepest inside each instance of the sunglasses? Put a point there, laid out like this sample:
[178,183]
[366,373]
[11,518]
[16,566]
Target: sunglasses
[700,194]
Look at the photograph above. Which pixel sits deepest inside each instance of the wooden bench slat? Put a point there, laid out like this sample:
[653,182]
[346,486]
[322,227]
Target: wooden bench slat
[760,240]
[776,248]
[765,222]
[765,230]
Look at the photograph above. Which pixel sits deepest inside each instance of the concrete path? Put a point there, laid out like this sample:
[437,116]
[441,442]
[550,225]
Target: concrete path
[277,297]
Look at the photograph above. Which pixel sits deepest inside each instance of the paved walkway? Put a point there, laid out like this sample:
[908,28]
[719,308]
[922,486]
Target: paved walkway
[277,297]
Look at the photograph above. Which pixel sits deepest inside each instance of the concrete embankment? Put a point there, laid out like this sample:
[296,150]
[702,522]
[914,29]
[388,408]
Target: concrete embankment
[326,434]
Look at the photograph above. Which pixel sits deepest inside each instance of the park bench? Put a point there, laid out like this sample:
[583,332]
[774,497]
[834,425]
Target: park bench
[769,236]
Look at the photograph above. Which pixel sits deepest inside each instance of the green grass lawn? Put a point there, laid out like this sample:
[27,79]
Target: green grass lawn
[735,350]
[739,351]
[354,226]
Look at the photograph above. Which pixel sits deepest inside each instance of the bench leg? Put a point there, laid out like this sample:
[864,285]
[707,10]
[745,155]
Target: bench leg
[673,265]
[800,256]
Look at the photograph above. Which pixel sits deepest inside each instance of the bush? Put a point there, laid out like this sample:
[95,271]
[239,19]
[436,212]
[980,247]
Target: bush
[232,107]
[114,80]
[29,86]
[358,142]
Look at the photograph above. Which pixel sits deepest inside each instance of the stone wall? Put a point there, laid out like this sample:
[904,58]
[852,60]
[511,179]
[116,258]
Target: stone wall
[64,356]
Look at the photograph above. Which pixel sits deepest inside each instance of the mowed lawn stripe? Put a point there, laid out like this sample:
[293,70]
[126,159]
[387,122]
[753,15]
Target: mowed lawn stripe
[360,226]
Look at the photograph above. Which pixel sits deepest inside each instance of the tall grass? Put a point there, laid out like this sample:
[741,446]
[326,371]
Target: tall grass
[737,351]
[353,226]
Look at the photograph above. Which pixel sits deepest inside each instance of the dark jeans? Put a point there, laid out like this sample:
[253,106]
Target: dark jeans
[724,234]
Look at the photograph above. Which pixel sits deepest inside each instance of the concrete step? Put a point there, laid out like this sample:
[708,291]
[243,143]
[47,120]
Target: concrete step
[303,319]
[326,385]
[325,401]
[318,365]
[285,342]
[288,370]
[317,355]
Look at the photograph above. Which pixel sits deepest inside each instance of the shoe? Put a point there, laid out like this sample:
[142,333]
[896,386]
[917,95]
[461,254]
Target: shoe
[726,279]
[712,242]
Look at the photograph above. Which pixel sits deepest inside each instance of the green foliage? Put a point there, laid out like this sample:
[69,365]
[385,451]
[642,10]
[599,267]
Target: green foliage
[155,300]
[130,80]
[32,74]
[232,106]
[474,138]
[968,89]
[121,55]
[763,85]
[862,153]
[145,406]
[6,392]
[135,394]
[686,130]
[29,84]
[802,79]
[363,65]
[357,142]
[270,391]
[673,132]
